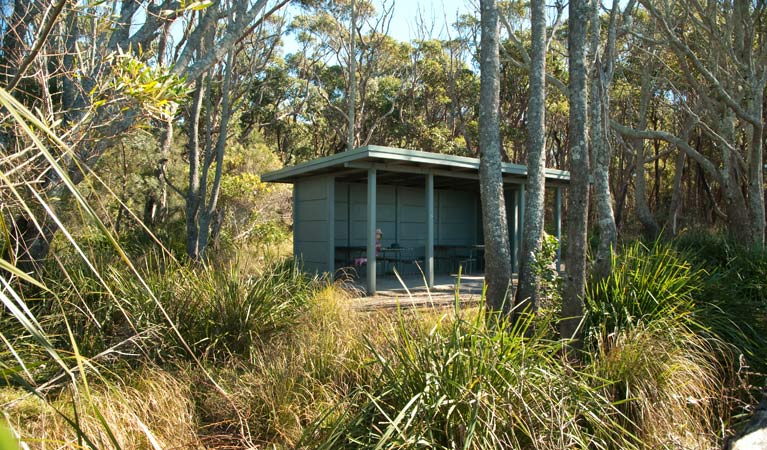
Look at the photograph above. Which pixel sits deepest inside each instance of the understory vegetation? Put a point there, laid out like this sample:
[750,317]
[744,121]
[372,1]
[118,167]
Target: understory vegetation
[149,299]
[178,356]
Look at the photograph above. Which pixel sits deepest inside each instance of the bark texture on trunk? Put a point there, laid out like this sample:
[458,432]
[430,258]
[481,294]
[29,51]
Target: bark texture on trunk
[527,292]
[600,80]
[756,172]
[650,226]
[497,252]
[193,194]
[209,202]
[672,225]
[578,198]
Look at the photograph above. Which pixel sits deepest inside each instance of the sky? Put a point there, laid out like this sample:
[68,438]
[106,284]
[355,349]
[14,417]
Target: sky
[436,15]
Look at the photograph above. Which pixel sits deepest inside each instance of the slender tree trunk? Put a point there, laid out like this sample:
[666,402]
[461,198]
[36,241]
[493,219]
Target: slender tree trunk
[193,149]
[738,220]
[208,212]
[352,100]
[497,252]
[156,201]
[578,197]
[598,100]
[72,99]
[527,292]
[756,172]
[672,225]
[650,227]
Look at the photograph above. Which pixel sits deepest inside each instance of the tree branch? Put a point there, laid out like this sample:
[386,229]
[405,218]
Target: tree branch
[700,67]
[51,20]
[670,138]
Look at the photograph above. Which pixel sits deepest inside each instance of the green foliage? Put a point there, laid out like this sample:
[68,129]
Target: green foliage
[220,313]
[733,301]
[645,284]
[155,89]
[545,270]
[463,385]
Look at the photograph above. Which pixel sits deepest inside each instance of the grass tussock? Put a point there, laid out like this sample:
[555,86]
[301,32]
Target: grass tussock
[152,410]
[666,382]
[464,385]
[295,378]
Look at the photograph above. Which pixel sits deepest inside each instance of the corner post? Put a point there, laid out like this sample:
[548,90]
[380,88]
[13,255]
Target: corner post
[514,232]
[558,223]
[371,247]
[429,251]
[331,237]
[521,221]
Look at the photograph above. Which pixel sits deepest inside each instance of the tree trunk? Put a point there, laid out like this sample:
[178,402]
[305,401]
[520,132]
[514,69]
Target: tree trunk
[738,221]
[527,292]
[650,227]
[206,214]
[578,197]
[600,149]
[672,225]
[156,202]
[755,170]
[193,194]
[352,92]
[497,252]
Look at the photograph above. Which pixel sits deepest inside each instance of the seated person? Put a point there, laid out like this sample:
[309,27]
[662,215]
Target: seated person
[362,261]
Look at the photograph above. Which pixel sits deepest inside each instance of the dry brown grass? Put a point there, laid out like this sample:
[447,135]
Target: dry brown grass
[671,381]
[151,410]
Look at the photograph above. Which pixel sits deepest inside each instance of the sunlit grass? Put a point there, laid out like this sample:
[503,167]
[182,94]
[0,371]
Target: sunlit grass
[108,348]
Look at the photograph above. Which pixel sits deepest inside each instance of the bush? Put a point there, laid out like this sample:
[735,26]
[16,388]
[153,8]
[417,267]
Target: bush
[463,385]
[219,313]
[733,300]
[645,284]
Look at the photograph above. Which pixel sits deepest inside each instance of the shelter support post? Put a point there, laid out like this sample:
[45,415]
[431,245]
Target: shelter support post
[429,251]
[331,231]
[521,235]
[558,223]
[371,241]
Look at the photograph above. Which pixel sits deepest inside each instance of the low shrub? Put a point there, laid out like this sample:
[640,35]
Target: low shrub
[733,300]
[644,285]
[463,385]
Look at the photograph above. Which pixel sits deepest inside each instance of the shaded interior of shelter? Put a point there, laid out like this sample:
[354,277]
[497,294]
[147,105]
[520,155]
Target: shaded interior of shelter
[400,205]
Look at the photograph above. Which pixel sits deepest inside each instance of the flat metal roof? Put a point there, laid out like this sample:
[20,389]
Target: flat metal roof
[403,165]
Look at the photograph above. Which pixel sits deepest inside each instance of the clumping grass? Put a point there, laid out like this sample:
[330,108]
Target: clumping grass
[666,381]
[289,381]
[644,285]
[220,313]
[336,378]
[733,301]
[463,385]
[153,409]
